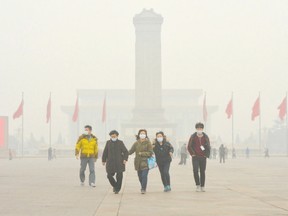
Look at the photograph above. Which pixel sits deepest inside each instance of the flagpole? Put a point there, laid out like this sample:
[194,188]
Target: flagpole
[260,142]
[78,119]
[105,136]
[286,124]
[232,121]
[50,121]
[22,147]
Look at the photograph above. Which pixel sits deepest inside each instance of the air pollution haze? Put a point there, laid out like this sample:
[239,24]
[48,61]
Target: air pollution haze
[218,47]
[143,107]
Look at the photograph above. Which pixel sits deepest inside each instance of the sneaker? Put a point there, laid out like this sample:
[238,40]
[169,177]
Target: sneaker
[169,188]
[82,184]
[116,192]
[143,191]
[202,189]
[92,185]
[166,189]
[114,189]
[198,189]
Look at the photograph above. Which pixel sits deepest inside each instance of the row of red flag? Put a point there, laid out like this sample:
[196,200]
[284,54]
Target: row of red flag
[76,111]
[255,109]
[229,110]
[19,111]
[75,117]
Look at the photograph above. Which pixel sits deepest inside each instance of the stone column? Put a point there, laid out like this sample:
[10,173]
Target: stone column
[148,75]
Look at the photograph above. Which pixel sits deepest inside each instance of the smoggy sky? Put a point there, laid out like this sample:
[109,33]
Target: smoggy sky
[218,46]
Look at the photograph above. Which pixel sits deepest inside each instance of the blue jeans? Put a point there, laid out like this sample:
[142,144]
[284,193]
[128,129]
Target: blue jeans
[143,178]
[90,161]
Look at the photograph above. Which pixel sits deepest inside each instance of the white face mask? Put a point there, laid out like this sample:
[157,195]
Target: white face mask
[199,132]
[86,133]
[160,139]
[142,136]
[114,139]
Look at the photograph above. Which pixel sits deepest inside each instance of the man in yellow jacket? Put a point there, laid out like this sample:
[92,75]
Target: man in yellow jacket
[87,148]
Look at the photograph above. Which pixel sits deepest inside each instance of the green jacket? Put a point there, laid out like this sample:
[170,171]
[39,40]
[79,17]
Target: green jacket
[143,150]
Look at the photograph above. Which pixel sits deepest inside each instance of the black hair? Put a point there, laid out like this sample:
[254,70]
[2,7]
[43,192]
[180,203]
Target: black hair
[199,125]
[138,135]
[162,133]
[114,132]
[89,127]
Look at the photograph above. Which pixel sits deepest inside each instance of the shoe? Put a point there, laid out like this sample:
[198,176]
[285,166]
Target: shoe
[198,189]
[82,184]
[169,188]
[166,189]
[203,189]
[92,185]
[143,191]
[114,189]
[116,192]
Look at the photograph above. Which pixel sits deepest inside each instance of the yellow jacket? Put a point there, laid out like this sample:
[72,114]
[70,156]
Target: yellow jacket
[87,148]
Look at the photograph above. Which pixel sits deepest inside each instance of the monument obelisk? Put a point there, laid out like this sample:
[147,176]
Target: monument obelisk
[148,74]
[148,112]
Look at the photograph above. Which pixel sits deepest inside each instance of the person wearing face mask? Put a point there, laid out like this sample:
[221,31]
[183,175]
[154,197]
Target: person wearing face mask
[87,148]
[115,156]
[163,152]
[143,150]
[199,149]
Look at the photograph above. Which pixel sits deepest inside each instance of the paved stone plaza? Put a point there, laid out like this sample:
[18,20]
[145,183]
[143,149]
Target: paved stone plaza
[254,186]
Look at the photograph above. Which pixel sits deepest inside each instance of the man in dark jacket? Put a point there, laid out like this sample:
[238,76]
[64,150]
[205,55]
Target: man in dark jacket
[199,149]
[115,156]
[222,153]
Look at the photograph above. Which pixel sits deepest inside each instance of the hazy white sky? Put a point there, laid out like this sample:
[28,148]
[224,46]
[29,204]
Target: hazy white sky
[219,46]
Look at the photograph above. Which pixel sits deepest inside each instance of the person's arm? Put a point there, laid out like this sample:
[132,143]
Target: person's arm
[105,154]
[124,152]
[208,147]
[133,149]
[78,147]
[190,147]
[96,148]
[170,149]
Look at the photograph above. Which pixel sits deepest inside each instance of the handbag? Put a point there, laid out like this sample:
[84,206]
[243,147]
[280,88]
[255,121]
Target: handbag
[151,162]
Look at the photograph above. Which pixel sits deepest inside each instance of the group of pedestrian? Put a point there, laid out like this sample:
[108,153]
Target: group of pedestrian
[115,156]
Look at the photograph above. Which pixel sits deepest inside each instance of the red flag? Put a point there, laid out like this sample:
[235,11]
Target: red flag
[205,113]
[48,114]
[104,111]
[229,109]
[19,111]
[256,109]
[76,111]
[283,108]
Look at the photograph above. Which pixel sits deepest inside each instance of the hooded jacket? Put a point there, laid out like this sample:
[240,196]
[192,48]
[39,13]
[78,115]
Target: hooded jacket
[145,150]
[87,147]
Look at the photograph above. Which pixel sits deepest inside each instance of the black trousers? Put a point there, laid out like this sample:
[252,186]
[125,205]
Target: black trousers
[116,184]
[222,158]
[183,159]
[164,171]
[199,163]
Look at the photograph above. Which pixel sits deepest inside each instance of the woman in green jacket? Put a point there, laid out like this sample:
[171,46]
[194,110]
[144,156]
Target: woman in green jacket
[143,150]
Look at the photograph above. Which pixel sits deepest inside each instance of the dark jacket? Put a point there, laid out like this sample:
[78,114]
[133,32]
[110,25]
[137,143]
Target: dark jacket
[114,154]
[206,145]
[145,149]
[162,152]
